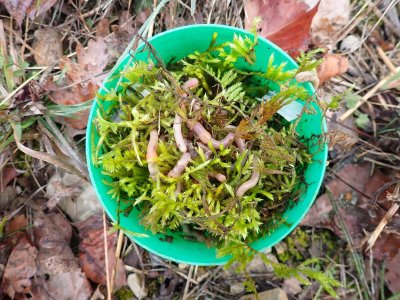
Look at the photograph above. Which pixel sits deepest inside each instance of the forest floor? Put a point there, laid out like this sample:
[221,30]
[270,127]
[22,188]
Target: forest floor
[53,57]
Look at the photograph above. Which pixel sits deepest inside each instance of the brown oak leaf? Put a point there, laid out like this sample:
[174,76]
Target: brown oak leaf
[21,266]
[92,255]
[6,176]
[285,23]
[83,78]
[18,9]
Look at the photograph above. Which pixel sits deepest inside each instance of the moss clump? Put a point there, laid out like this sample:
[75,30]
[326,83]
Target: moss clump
[192,146]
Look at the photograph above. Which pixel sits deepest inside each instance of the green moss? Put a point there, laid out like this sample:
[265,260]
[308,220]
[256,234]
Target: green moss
[223,101]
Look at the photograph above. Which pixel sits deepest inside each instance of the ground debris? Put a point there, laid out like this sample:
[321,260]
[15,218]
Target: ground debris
[47,267]
[75,196]
[292,286]
[21,267]
[82,79]
[274,294]
[353,187]
[20,8]
[137,285]
[332,16]
[91,252]
[47,46]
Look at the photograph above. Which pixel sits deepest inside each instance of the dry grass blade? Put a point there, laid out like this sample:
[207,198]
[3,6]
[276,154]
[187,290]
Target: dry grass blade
[117,255]
[357,260]
[189,276]
[368,95]
[66,147]
[47,157]
[109,290]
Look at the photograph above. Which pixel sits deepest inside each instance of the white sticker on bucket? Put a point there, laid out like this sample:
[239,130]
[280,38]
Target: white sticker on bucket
[290,111]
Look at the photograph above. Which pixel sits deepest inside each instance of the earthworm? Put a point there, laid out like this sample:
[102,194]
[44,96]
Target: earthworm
[177,128]
[206,150]
[189,145]
[180,165]
[206,137]
[178,189]
[191,83]
[252,182]
[203,147]
[240,143]
[152,154]
[310,76]
[219,176]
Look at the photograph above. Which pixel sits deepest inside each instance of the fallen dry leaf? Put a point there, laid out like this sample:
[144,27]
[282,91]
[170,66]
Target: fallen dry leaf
[387,248]
[83,77]
[58,270]
[18,9]
[332,16]
[121,35]
[91,252]
[18,223]
[6,176]
[20,268]
[353,207]
[47,46]
[74,94]
[392,275]
[332,65]
[292,286]
[286,23]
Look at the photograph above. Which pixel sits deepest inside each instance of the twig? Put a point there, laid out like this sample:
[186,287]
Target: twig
[382,164]
[108,279]
[117,255]
[386,59]
[151,29]
[189,276]
[386,219]
[368,95]
[387,22]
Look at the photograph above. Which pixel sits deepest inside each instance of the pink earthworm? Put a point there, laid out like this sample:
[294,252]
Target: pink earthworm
[252,182]
[177,128]
[191,83]
[178,189]
[219,176]
[151,154]
[180,165]
[206,150]
[205,137]
[241,144]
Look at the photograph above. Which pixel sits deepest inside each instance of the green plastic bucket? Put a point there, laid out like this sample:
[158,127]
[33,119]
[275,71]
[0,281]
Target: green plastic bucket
[173,45]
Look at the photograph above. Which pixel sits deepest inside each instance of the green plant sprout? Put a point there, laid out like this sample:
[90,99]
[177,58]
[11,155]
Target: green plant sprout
[190,146]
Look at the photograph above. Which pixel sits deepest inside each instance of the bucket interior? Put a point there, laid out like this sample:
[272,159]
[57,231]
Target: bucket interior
[174,45]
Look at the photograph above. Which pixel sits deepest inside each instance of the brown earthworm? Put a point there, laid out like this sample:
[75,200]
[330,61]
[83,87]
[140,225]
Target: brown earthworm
[205,137]
[152,154]
[220,177]
[180,165]
[240,143]
[177,128]
[252,182]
